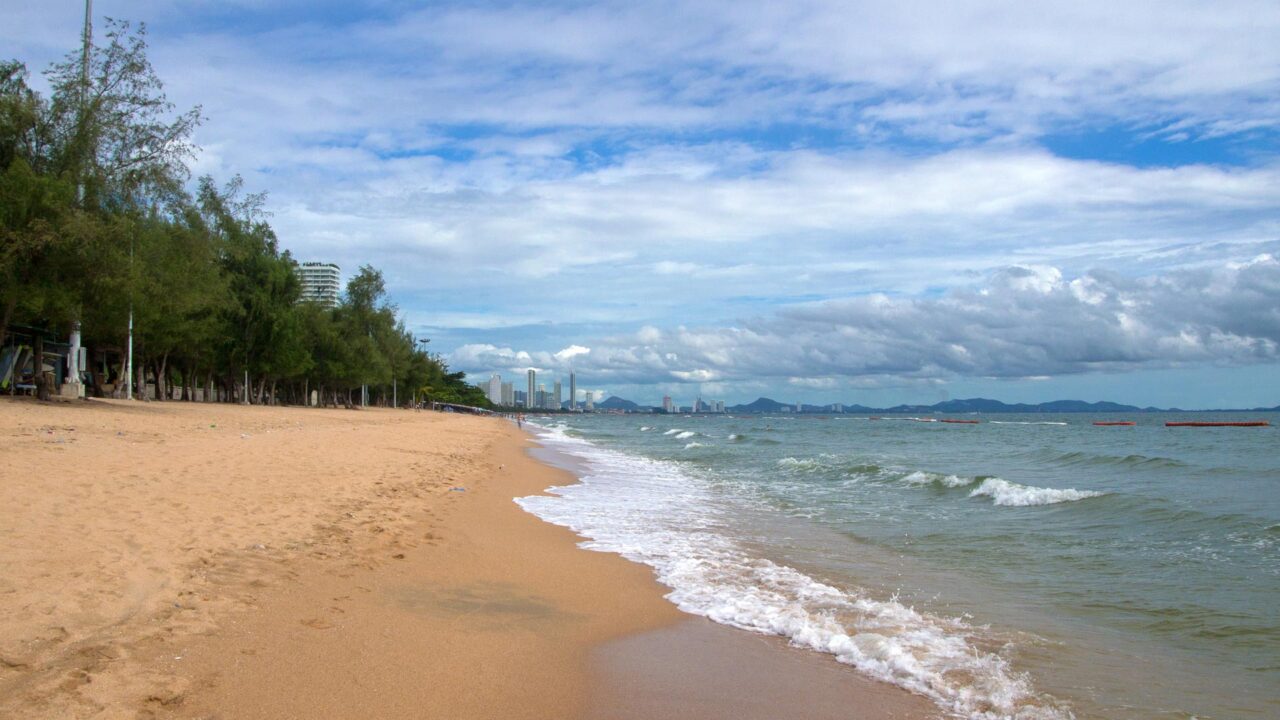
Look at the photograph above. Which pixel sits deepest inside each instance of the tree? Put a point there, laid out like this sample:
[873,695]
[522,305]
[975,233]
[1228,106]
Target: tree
[114,132]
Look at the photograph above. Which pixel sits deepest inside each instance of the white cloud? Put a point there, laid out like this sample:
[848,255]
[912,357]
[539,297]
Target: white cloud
[1020,323]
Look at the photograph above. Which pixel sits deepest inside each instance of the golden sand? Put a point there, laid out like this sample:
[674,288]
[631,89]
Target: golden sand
[212,561]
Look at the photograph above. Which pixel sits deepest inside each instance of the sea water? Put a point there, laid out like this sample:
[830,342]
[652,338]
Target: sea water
[1026,567]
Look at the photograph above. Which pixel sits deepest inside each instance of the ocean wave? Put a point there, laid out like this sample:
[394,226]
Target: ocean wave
[685,435]
[653,512]
[735,437]
[645,428]
[1003,492]
[833,464]
[1086,459]
[802,464]
[673,431]
[927,478]
[692,445]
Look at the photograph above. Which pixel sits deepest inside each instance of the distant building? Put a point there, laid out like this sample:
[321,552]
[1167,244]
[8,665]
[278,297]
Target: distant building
[556,402]
[719,406]
[591,405]
[667,405]
[495,389]
[508,394]
[529,396]
[837,407]
[321,283]
[519,398]
[573,390]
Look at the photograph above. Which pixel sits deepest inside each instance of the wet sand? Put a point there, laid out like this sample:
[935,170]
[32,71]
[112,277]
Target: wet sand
[210,561]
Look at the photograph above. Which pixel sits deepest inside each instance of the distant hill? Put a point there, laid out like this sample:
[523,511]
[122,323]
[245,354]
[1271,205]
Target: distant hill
[760,405]
[616,403]
[971,405]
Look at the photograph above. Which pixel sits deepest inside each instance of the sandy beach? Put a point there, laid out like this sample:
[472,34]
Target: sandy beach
[214,561]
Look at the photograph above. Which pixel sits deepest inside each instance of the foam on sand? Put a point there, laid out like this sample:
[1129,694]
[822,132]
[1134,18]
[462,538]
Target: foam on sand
[654,512]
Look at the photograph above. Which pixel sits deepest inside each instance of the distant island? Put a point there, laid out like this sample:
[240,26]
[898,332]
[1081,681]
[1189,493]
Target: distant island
[971,405]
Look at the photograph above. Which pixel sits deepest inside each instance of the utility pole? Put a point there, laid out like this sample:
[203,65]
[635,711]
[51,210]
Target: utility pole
[128,383]
[73,387]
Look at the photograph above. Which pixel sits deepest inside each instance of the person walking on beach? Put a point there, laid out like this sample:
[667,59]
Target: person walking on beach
[520,421]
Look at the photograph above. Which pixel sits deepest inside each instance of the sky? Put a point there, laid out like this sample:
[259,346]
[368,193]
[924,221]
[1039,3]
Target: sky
[812,201]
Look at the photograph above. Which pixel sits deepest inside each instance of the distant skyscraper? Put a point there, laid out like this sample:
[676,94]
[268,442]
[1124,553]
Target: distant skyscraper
[573,390]
[719,406]
[508,394]
[555,400]
[667,405]
[530,397]
[591,403]
[542,396]
[321,283]
[495,389]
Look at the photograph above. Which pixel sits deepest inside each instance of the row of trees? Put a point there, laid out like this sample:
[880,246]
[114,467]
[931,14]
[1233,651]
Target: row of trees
[99,222]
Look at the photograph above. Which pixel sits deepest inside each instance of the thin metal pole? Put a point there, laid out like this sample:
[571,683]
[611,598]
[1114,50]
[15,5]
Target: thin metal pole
[128,382]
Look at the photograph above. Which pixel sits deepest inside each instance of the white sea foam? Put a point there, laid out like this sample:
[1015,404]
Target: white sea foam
[690,446]
[645,428]
[653,512]
[927,478]
[685,435]
[672,431]
[1003,492]
[801,464]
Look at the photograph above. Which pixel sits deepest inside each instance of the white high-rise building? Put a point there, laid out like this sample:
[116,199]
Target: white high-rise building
[530,398]
[321,282]
[667,405]
[555,399]
[495,389]
[508,394]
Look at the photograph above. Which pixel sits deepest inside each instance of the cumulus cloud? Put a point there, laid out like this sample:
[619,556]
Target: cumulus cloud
[1021,322]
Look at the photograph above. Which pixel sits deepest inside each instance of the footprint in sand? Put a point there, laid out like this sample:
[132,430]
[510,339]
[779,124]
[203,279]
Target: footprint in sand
[317,623]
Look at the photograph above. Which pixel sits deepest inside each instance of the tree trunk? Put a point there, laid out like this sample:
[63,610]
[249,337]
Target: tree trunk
[7,315]
[43,391]
[162,386]
[140,384]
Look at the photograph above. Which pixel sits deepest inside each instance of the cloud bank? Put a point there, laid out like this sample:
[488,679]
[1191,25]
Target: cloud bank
[1021,322]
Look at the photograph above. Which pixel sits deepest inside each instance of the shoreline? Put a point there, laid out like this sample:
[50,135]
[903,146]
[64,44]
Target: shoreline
[188,560]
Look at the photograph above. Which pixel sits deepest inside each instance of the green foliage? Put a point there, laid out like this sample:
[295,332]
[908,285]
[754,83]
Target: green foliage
[96,226]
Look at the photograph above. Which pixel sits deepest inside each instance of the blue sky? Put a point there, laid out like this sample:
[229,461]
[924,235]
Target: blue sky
[813,201]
